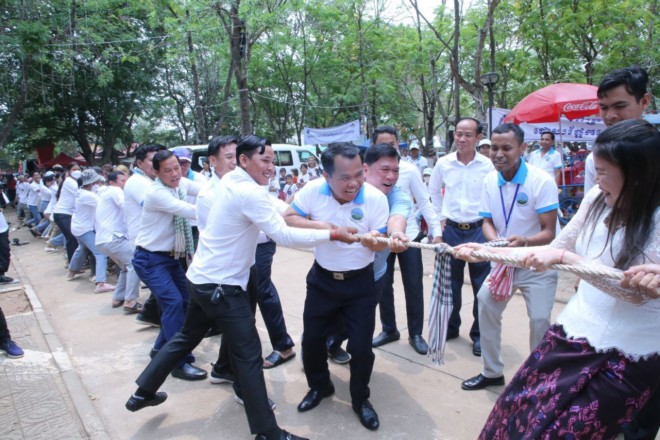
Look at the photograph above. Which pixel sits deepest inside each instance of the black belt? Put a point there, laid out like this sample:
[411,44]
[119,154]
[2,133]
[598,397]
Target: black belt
[169,254]
[465,226]
[346,275]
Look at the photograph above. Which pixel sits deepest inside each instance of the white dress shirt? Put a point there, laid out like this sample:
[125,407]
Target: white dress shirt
[410,181]
[67,201]
[84,215]
[462,185]
[204,201]
[45,193]
[135,190]
[589,173]
[110,220]
[161,204]
[228,243]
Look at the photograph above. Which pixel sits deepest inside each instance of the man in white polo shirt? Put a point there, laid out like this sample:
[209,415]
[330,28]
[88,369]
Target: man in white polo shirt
[341,282]
[518,203]
[455,188]
[547,157]
[219,277]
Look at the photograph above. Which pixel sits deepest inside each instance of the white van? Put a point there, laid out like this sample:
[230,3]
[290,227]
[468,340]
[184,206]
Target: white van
[286,156]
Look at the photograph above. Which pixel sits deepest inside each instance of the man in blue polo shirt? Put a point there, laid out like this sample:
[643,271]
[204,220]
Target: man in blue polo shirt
[341,284]
[518,203]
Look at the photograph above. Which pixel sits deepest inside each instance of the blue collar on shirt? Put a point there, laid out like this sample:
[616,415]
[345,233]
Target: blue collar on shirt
[326,191]
[191,174]
[519,178]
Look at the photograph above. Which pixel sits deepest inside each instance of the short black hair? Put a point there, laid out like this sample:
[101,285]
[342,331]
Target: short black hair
[48,178]
[508,128]
[345,149]
[635,78]
[249,144]
[112,177]
[161,156]
[143,150]
[552,135]
[378,151]
[384,129]
[219,142]
[480,127]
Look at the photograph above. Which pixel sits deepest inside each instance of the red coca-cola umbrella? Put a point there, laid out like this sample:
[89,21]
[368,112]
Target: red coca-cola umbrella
[550,103]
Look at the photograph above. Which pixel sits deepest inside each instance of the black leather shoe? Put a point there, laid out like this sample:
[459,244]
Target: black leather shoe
[419,344]
[283,436]
[338,355]
[451,336]
[313,397]
[476,348]
[385,338]
[189,372]
[136,403]
[367,416]
[480,382]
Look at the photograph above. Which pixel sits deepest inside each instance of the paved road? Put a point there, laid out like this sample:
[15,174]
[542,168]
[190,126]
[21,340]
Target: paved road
[99,352]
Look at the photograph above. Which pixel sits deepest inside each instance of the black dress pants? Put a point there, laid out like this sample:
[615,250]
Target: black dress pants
[233,314]
[327,300]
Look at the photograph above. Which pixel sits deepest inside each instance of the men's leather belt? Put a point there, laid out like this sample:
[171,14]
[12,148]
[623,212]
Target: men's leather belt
[169,254]
[465,226]
[342,276]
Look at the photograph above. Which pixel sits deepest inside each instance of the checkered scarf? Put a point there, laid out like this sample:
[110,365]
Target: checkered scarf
[183,239]
[442,301]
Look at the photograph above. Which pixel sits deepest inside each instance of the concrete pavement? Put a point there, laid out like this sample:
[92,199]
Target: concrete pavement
[105,351]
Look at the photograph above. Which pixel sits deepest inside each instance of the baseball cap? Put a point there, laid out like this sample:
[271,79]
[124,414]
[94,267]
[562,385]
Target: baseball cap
[183,153]
[427,171]
[484,142]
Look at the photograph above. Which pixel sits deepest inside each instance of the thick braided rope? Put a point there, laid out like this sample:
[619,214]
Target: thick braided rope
[578,269]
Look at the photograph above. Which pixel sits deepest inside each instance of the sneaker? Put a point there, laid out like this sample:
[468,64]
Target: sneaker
[339,355]
[221,377]
[240,402]
[6,280]
[104,287]
[50,248]
[12,350]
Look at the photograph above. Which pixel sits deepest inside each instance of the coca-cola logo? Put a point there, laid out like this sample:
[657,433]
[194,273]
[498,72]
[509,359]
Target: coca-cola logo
[580,106]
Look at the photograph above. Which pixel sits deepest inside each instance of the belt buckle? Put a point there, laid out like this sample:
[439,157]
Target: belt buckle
[172,254]
[338,276]
[464,226]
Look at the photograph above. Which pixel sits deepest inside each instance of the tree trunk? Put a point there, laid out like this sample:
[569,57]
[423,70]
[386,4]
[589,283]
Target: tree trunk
[200,120]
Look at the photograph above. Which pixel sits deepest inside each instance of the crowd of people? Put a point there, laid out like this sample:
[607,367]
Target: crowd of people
[203,243]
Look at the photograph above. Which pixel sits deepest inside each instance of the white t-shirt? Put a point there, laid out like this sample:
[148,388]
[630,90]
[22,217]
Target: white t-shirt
[421,162]
[589,173]
[22,190]
[549,162]
[67,201]
[33,194]
[531,192]
[110,220]
[369,211]
[84,215]
[290,190]
[45,192]
[53,201]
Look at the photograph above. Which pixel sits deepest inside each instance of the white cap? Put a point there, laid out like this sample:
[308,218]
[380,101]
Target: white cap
[427,171]
[484,142]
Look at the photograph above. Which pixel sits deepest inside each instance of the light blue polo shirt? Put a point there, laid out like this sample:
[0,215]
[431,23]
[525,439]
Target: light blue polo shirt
[535,193]
[400,204]
[548,163]
[369,211]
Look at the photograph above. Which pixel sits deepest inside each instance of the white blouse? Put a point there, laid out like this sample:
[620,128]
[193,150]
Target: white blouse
[604,313]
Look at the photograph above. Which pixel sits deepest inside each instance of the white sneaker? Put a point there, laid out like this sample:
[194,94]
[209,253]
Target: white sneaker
[104,287]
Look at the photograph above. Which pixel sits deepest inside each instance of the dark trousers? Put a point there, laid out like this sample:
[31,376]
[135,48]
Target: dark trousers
[233,314]
[63,221]
[150,309]
[224,364]
[478,272]
[646,424]
[412,275]
[328,299]
[5,251]
[269,299]
[168,283]
[4,330]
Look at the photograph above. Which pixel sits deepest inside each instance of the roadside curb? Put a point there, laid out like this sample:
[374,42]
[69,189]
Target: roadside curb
[87,412]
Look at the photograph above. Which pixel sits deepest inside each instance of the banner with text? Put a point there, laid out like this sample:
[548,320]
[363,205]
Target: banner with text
[342,133]
[578,130]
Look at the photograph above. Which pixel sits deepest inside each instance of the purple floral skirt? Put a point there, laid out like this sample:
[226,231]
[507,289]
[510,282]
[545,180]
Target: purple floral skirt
[567,390]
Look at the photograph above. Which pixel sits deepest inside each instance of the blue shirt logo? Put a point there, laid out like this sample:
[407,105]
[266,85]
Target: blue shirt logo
[357,214]
[522,199]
